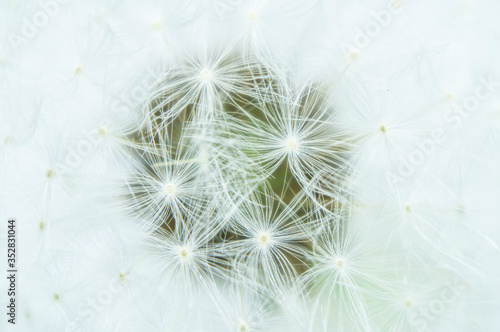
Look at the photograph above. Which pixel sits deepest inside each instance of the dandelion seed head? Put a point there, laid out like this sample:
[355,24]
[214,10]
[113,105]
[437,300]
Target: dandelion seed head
[254,181]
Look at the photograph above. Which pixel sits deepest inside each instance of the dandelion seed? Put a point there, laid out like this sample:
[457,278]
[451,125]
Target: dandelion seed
[269,239]
[170,189]
[343,272]
[264,238]
[158,25]
[297,126]
[185,253]
[206,75]
[102,131]
[353,56]
[253,16]
[242,327]
[339,263]
[292,144]
[78,70]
